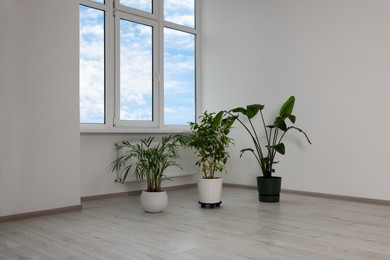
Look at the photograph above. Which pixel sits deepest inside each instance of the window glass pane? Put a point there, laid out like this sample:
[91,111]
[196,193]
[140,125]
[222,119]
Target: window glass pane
[143,5]
[99,1]
[180,12]
[92,76]
[179,77]
[136,71]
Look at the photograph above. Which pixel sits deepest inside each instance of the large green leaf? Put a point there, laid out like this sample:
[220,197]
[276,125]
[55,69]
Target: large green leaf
[287,107]
[217,119]
[292,118]
[228,121]
[279,123]
[239,110]
[252,110]
[280,148]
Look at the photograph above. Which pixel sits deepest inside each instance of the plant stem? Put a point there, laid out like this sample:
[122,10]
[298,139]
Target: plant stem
[258,143]
[265,128]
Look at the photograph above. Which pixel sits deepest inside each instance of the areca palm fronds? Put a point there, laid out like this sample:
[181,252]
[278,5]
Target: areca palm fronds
[147,159]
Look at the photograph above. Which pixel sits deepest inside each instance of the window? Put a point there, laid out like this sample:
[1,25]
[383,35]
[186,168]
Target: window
[135,70]
[180,12]
[138,64]
[179,80]
[92,65]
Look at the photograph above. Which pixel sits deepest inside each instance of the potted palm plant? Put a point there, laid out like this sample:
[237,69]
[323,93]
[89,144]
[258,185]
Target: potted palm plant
[209,138]
[147,159]
[265,151]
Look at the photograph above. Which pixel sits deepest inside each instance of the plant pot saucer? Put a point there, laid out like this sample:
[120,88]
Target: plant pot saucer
[210,205]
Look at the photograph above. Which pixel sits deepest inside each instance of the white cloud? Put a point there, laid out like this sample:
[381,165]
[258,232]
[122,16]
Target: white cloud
[179,115]
[91,91]
[135,114]
[178,40]
[180,12]
[144,5]
[179,4]
[96,30]
[91,66]
[179,58]
[136,71]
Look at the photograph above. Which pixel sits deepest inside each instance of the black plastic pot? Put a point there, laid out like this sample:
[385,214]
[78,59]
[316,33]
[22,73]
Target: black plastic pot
[269,188]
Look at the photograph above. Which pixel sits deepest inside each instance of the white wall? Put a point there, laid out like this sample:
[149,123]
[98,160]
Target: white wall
[334,56]
[39,125]
[40,143]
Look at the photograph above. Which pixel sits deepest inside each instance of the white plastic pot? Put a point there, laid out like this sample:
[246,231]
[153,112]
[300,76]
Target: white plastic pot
[210,190]
[154,201]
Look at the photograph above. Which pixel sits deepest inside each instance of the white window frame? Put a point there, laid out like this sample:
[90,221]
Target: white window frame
[155,81]
[113,13]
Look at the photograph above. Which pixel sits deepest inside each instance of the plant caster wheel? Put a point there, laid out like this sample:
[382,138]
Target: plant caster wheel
[210,205]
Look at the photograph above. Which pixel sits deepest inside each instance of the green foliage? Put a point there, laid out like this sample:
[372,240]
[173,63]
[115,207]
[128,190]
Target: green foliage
[147,159]
[210,139]
[265,152]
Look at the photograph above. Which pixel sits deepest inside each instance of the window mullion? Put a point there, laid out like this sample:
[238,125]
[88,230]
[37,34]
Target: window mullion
[158,80]
[179,27]
[116,86]
[110,64]
[198,100]
[159,6]
[93,4]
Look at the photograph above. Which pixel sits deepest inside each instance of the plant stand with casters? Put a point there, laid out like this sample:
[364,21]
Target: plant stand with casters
[210,205]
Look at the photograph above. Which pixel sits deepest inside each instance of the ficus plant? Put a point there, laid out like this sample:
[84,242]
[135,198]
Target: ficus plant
[147,159]
[265,152]
[209,138]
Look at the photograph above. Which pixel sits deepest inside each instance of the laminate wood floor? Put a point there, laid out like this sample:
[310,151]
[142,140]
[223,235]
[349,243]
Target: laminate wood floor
[299,227]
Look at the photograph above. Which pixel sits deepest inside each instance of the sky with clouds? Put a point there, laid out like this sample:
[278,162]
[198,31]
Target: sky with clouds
[136,71]
[91,65]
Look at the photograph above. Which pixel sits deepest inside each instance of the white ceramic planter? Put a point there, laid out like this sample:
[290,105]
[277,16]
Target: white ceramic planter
[154,201]
[210,190]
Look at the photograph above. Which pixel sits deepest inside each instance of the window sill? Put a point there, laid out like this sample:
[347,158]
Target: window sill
[104,129]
